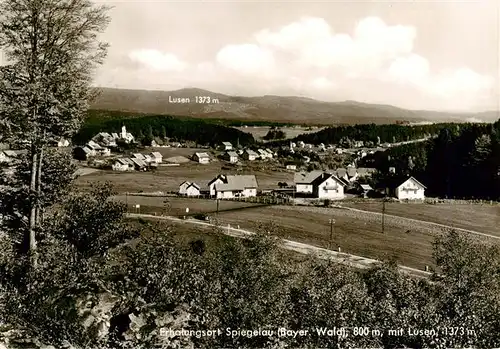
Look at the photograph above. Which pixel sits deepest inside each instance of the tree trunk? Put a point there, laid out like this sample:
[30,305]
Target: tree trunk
[39,216]
[33,201]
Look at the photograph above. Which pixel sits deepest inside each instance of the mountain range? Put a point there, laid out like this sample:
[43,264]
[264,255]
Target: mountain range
[286,109]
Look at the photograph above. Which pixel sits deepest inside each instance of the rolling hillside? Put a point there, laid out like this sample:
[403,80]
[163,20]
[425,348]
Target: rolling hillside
[297,110]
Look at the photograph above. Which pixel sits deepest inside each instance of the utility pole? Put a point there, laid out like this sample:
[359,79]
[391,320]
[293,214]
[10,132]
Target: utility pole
[126,200]
[383,211]
[332,222]
[217,206]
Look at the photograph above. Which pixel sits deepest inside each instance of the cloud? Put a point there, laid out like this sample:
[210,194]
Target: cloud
[376,61]
[410,69]
[322,83]
[157,60]
[316,45]
[245,58]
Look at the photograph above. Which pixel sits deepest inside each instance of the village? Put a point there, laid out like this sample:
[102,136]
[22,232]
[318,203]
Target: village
[306,186]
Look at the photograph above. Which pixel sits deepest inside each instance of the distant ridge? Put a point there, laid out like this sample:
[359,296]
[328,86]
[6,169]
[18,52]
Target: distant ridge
[290,109]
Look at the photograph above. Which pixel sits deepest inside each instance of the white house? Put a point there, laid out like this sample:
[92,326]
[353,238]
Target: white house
[352,174]
[304,181]
[341,173]
[131,164]
[233,186]
[139,156]
[227,146]
[4,157]
[183,187]
[63,143]
[271,152]
[410,189]
[193,189]
[202,158]
[262,154]
[250,155]
[94,146]
[291,167]
[148,159]
[140,165]
[231,156]
[105,151]
[83,153]
[328,186]
[120,165]
[157,157]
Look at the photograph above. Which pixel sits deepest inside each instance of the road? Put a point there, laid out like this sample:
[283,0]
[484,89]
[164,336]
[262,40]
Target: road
[342,258]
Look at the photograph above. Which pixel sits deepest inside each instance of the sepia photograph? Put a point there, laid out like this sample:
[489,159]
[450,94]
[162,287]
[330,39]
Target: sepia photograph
[249,174]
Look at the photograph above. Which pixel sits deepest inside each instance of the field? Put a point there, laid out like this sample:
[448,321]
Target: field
[167,179]
[291,132]
[177,205]
[483,218]
[355,232]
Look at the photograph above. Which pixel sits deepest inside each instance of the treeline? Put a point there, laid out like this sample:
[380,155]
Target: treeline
[174,128]
[372,133]
[274,133]
[462,162]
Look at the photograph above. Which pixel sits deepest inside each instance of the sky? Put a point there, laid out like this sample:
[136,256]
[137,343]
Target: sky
[438,55]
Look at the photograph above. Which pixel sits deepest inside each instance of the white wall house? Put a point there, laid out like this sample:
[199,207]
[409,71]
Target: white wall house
[139,156]
[120,165]
[410,189]
[233,186]
[231,156]
[105,152]
[304,181]
[227,146]
[183,187]
[193,189]
[250,155]
[157,157]
[264,154]
[63,143]
[328,186]
[217,180]
[202,158]
[352,174]
[139,164]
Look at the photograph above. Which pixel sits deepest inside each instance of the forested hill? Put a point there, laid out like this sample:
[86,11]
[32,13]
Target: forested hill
[373,133]
[462,162]
[175,128]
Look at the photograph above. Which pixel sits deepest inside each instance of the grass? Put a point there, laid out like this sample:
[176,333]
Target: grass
[355,236]
[169,178]
[482,218]
[178,205]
